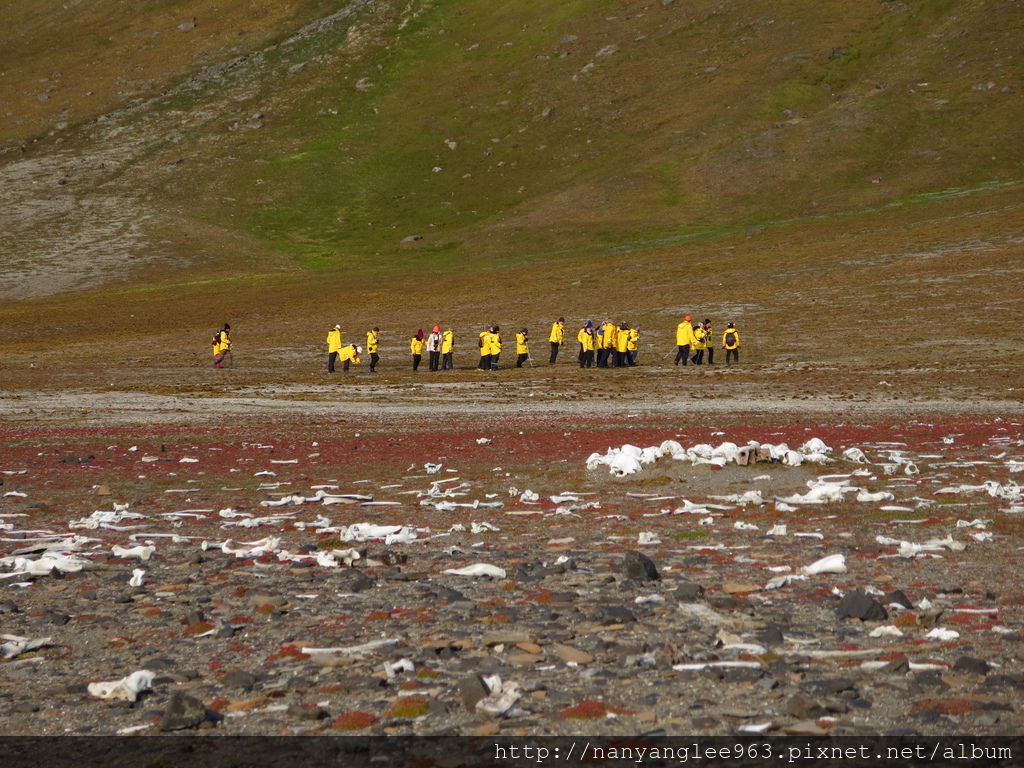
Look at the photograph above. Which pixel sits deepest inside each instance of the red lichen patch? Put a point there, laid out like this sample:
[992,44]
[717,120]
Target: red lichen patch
[951,706]
[218,703]
[379,616]
[905,620]
[593,710]
[198,628]
[353,721]
[427,674]
[410,707]
[288,652]
[410,685]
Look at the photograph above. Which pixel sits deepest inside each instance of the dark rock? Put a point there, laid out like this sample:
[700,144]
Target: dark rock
[971,665]
[687,592]
[898,666]
[832,685]
[804,708]
[614,614]
[307,711]
[238,678]
[724,603]
[640,567]
[182,711]
[8,606]
[767,684]
[857,605]
[860,703]
[472,689]
[898,596]
[158,663]
[354,580]
[193,616]
[770,635]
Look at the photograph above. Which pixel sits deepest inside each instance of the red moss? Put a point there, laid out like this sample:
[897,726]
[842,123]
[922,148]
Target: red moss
[353,721]
[951,706]
[198,628]
[593,710]
[410,707]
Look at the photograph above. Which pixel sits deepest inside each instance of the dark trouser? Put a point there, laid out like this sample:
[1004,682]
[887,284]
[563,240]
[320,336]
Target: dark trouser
[446,362]
[345,366]
[416,362]
[616,358]
[629,358]
[554,352]
[494,362]
[435,360]
[331,360]
[711,355]
[485,362]
[698,357]
[683,355]
[521,359]
[733,353]
[374,357]
[587,359]
[602,357]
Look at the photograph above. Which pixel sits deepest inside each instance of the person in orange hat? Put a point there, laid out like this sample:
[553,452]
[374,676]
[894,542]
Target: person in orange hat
[684,340]
[434,348]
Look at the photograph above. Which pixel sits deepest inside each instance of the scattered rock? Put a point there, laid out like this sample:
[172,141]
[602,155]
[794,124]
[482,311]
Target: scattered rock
[640,567]
[858,605]
[182,711]
[972,665]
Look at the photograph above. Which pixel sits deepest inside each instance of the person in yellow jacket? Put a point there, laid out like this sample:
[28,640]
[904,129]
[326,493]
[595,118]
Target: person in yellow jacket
[333,345]
[586,339]
[349,354]
[606,342]
[495,346]
[633,344]
[416,347]
[555,338]
[684,340]
[447,345]
[620,356]
[731,343]
[709,342]
[699,343]
[222,347]
[522,347]
[372,345]
[485,349]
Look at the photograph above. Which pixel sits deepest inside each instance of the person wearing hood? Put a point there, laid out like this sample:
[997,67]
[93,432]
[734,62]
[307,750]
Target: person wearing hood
[495,346]
[333,345]
[731,343]
[447,346]
[416,347]
[434,348]
[349,354]
[586,339]
[372,345]
[485,348]
[522,347]
[684,340]
[699,343]
[556,337]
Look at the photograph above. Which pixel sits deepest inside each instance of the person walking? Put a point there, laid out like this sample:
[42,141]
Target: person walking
[485,348]
[349,354]
[372,345]
[699,345]
[333,345]
[447,345]
[434,348]
[557,329]
[222,349]
[633,345]
[731,343]
[522,347]
[709,341]
[684,340]
[416,347]
[586,339]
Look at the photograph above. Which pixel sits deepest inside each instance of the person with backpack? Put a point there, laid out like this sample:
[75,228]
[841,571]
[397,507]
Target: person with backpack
[222,347]
[709,342]
[333,345]
[447,345]
[684,340]
[555,338]
[372,345]
[416,347]
[522,347]
[434,348]
[731,343]
[586,339]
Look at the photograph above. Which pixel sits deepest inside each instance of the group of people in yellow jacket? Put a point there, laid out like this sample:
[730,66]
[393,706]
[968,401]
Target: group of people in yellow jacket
[698,338]
[609,345]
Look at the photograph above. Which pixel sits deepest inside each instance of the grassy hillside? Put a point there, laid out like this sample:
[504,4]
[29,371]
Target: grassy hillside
[267,163]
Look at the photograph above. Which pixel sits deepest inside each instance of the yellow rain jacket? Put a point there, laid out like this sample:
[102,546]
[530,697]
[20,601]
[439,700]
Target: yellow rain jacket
[634,339]
[521,345]
[447,342]
[586,340]
[611,332]
[371,342]
[684,334]
[485,343]
[699,334]
[495,343]
[333,340]
[416,345]
[556,333]
[225,341]
[622,340]
[348,352]
[216,345]
[735,338]
[709,338]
